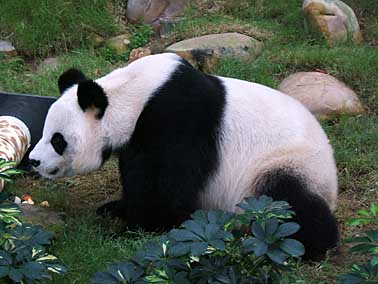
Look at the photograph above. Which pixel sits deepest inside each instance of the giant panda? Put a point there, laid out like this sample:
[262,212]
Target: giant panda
[187,140]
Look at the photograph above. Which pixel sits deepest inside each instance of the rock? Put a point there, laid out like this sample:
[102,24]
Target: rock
[119,44]
[149,11]
[7,49]
[139,53]
[49,63]
[334,19]
[37,215]
[321,93]
[205,51]
[96,40]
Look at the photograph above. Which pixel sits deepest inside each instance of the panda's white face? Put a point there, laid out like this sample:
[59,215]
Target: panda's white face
[71,143]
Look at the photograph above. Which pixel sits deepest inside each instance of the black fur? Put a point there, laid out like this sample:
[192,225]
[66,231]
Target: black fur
[69,78]
[90,94]
[319,231]
[59,143]
[172,152]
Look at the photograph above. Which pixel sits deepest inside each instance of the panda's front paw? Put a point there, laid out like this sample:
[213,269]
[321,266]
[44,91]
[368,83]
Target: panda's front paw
[112,209]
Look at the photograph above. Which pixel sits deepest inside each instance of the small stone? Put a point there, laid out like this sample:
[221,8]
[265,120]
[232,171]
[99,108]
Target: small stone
[119,44]
[204,52]
[44,204]
[321,93]
[334,19]
[41,216]
[96,40]
[49,63]
[7,49]
[137,53]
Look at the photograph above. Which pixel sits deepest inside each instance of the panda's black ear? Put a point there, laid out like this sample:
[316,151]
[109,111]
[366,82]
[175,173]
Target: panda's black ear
[91,95]
[69,78]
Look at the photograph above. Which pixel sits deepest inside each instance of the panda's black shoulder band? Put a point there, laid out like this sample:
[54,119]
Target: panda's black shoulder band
[90,94]
[69,78]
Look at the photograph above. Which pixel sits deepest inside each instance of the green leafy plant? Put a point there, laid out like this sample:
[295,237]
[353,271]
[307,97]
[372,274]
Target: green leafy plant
[365,244]
[23,255]
[209,248]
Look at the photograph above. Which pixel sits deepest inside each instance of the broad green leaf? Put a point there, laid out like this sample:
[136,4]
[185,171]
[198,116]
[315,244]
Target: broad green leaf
[292,247]
[258,247]
[363,248]
[373,234]
[197,249]
[258,231]
[363,213]
[181,235]
[16,275]
[277,255]
[32,270]
[179,249]
[374,261]
[374,209]
[357,240]
[357,221]
[4,270]
[287,229]
[271,226]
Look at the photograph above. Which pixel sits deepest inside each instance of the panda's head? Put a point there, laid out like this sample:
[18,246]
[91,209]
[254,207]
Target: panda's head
[73,140]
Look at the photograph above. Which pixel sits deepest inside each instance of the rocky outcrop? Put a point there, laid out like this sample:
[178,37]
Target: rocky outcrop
[119,44]
[149,11]
[333,19]
[205,51]
[321,93]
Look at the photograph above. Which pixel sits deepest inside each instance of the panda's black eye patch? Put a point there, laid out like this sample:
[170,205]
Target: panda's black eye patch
[58,143]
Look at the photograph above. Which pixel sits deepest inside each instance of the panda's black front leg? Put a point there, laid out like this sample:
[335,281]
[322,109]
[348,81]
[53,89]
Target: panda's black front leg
[114,209]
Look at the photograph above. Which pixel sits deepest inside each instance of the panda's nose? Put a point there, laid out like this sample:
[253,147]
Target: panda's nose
[34,163]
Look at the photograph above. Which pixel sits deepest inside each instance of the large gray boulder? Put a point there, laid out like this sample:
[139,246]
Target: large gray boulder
[321,93]
[205,51]
[333,19]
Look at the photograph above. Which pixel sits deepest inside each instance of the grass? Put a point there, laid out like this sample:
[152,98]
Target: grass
[85,244]
[44,27]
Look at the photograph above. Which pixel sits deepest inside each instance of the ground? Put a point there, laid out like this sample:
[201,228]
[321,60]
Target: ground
[85,243]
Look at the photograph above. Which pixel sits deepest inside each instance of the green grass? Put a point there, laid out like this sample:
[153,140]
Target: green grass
[20,77]
[86,247]
[84,243]
[44,27]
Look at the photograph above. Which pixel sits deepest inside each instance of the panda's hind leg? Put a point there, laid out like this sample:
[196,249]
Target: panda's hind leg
[114,209]
[319,232]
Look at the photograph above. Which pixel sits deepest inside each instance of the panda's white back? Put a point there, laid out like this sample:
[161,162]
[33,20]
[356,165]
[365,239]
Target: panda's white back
[264,130]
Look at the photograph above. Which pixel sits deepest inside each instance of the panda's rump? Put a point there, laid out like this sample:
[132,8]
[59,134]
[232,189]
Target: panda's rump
[264,131]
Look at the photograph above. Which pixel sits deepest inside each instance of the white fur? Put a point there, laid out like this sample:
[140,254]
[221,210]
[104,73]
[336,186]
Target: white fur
[262,129]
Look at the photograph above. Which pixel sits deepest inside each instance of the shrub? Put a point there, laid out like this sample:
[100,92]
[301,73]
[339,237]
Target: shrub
[211,248]
[365,244]
[23,254]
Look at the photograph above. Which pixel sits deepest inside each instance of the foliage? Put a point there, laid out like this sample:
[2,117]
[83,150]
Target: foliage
[39,28]
[207,249]
[23,255]
[365,244]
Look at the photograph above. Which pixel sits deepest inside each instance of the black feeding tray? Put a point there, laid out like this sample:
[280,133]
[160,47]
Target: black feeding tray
[32,110]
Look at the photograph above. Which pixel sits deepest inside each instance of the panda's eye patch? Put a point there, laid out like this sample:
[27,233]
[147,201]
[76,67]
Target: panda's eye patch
[58,143]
